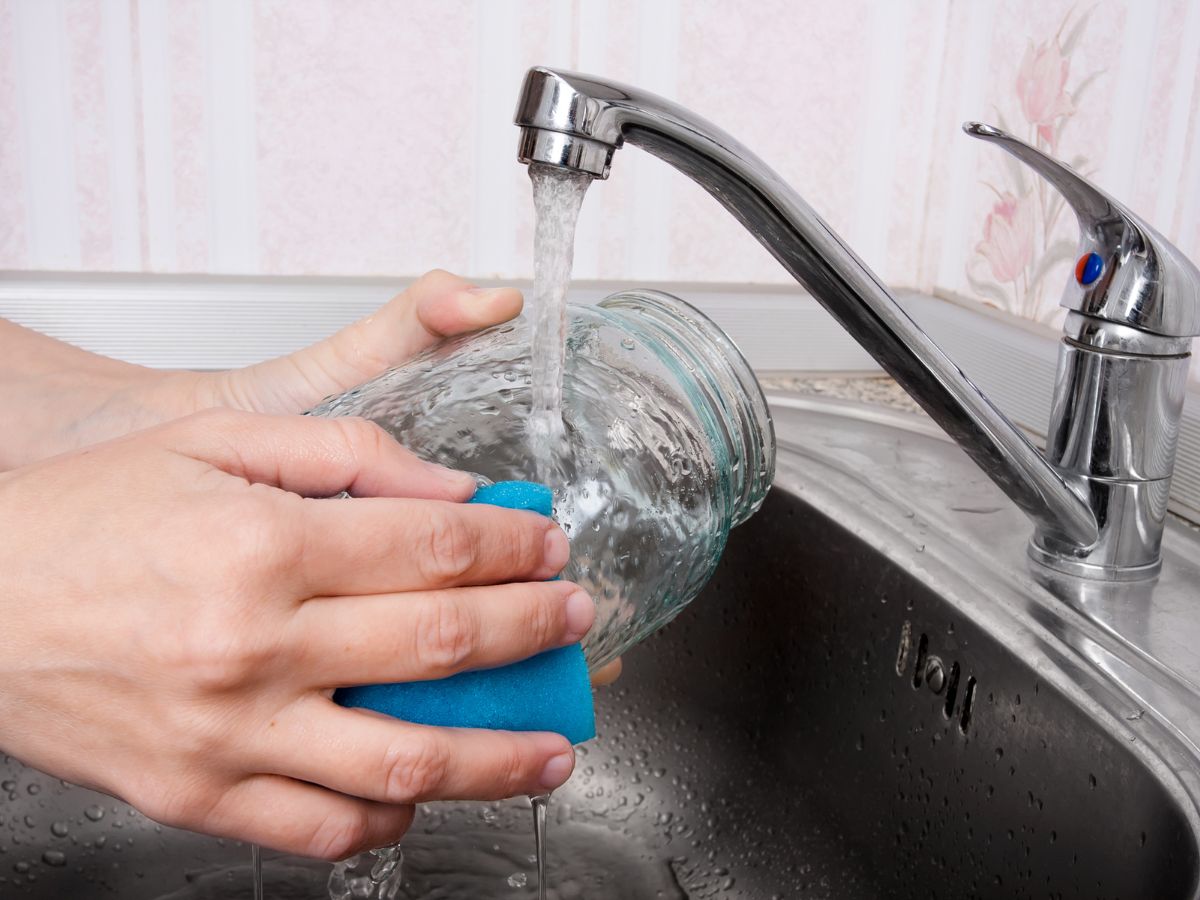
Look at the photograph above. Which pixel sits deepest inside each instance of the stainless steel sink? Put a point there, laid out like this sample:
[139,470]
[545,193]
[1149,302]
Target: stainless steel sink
[873,698]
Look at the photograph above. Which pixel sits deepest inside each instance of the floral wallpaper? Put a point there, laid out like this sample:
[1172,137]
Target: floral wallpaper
[375,137]
[1022,239]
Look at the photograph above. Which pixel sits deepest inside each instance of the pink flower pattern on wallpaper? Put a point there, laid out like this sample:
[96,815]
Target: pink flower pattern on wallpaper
[1041,88]
[1007,242]
[1018,248]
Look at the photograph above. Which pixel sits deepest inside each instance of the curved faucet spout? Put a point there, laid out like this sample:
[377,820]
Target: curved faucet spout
[578,121]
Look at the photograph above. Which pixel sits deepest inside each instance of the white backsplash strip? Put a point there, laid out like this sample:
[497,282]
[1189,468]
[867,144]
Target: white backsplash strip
[203,322]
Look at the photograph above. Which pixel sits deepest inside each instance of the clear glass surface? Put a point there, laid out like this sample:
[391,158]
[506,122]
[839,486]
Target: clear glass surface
[668,444]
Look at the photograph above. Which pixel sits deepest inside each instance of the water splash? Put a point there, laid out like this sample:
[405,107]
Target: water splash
[378,873]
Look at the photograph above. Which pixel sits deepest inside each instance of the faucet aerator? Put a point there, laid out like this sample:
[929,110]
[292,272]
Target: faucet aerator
[566,151]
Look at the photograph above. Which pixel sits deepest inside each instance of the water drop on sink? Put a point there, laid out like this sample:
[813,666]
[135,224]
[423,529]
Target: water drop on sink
[54,858]
[59,829]
[95,813]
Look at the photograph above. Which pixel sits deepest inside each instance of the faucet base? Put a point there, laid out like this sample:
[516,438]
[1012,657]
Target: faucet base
[1081,568]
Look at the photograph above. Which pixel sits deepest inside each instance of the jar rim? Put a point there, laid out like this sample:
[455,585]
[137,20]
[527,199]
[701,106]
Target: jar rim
[725,367]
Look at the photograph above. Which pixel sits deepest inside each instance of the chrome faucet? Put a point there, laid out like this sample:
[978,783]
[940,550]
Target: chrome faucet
[1098,497]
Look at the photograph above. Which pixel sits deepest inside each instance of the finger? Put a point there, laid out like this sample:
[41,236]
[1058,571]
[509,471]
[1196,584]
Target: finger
[379,758]
[607,673]
[338,641]
[303,819]
[314,456]
[379,545]
[435,306]
[448,313]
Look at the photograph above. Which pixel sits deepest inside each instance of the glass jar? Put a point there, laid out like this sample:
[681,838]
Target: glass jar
[669,444]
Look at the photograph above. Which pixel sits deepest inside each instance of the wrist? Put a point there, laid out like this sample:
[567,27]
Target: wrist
[63,411]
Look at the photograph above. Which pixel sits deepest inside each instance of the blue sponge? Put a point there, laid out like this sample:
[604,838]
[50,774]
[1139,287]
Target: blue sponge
[516,495]
[548,692]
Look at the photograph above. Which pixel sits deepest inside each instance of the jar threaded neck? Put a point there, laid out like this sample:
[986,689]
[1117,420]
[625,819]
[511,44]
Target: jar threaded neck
[727,384]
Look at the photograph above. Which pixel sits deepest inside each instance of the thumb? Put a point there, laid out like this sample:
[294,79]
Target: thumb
[436,306]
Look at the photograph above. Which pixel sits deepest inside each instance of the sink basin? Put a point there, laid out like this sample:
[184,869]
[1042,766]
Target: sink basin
[874,697]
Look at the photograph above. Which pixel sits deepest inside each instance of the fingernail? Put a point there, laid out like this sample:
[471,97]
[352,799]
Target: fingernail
[557,771]
[482,291]
[557,550]
[580,613]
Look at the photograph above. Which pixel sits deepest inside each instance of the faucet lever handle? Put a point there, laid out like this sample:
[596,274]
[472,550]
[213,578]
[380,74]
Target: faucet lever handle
[1126,272]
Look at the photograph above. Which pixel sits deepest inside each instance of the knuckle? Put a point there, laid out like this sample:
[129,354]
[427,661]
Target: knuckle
[253,531]
[544,616]
[541,621]
[446,636]
[416,770]
[213,653]
[528,540]
[362,437]
[434,277]
[513,771]
[339,835]
[182,806]
[450,548]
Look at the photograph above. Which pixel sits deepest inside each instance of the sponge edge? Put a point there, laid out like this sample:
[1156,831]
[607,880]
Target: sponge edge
[547,692]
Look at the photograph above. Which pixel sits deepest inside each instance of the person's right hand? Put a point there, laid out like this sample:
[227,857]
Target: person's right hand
[178,607]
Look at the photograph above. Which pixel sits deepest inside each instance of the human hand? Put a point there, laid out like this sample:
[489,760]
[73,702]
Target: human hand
[177,615]
[436,306]
[60,398]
